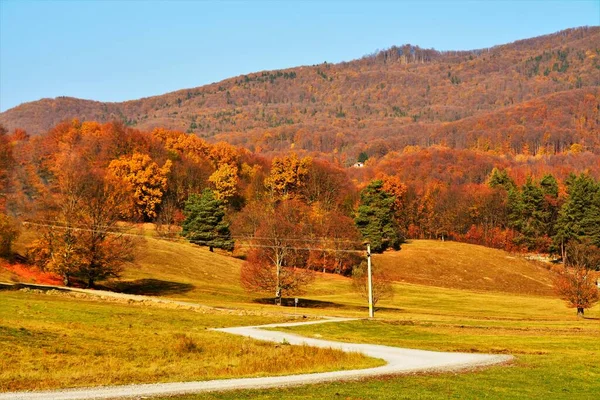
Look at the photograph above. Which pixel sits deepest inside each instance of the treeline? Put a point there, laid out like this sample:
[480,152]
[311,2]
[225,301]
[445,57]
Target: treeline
[78,183]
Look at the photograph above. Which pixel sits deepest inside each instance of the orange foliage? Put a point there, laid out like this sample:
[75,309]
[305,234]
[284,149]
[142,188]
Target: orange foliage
[31,274]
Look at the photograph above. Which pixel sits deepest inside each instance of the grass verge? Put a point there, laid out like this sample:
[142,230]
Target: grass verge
[49,341]
[557,354]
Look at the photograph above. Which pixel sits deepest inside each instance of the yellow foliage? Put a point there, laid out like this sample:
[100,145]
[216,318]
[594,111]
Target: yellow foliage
[146,178]
[190,146]
[225,180]
[288,175]
[576,148]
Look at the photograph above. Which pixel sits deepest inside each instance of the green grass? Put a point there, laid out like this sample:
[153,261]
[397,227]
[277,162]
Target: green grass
[482,300]
[557,354]
[51,341]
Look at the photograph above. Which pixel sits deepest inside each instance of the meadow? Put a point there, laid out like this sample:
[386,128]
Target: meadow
[46,338]
[557,355]
[57,341]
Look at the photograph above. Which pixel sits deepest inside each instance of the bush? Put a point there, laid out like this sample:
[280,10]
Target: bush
[185,344]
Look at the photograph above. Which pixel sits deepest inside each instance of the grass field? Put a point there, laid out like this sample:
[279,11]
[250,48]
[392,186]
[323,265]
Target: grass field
[557,354]
[51,341]
[448,296]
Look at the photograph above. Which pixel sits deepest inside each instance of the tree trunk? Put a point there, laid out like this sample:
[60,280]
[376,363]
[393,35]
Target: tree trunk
[278,297]
[580,311]
[90,283]
[210,248]
[278,282]
[66,280]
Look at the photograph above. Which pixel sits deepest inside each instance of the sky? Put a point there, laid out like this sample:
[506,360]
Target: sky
[122,50]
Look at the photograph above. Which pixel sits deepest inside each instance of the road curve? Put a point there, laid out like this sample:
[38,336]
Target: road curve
[399,361]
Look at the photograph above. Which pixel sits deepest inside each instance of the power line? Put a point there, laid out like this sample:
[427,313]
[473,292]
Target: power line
[301,248]
[181,240]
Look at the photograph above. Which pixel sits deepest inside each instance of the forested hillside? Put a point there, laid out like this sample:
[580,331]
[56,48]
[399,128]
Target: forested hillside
[498,147]
[79,182]
[535,96]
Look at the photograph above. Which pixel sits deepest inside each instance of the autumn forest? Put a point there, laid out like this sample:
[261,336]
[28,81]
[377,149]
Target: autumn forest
[498,147]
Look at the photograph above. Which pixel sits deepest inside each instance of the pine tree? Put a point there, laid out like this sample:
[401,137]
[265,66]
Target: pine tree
[375,218]
[205,222]
[500,178]
[579,217]
[549,187]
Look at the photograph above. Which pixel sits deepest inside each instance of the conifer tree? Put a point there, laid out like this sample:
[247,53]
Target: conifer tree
[205,222]
[549,187]
[527,214]
[579,217]
[500,178]
[375,218]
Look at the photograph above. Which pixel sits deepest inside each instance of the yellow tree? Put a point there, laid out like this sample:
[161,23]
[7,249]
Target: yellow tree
[147,180]
[224,153]
[225,180]
[288,175]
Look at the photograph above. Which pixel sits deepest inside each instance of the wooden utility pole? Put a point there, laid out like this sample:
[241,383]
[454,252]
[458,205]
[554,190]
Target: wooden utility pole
[370,281]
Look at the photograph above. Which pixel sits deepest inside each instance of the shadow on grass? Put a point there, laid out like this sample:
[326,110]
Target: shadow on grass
[310,303]
[304,303]
[148,287]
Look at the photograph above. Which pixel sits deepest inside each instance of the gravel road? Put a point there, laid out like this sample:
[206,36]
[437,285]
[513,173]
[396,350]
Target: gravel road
[398,360]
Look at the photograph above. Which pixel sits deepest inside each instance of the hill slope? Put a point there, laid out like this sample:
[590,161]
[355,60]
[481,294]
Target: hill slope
[465,266]
[185,271]
[404,92]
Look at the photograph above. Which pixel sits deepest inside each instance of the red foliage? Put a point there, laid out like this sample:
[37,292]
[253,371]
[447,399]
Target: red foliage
[577,286]
[31,274]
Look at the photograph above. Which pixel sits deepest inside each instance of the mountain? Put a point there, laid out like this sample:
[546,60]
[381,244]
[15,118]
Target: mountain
[534,96]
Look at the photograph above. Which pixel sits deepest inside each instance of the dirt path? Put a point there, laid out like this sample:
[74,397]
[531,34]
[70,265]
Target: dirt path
[398,360]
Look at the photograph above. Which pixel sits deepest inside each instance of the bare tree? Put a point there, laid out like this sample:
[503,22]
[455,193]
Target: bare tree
[382,286]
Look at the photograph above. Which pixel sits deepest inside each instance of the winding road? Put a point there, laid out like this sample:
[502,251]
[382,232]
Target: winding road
[399,361]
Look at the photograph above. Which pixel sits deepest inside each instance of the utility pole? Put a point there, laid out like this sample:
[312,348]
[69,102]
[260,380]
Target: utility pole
[370,283]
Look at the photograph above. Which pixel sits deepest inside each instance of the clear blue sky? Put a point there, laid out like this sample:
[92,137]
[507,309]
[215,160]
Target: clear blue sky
[121,50]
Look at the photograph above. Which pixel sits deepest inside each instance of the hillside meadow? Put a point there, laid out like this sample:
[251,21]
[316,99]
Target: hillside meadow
[46,338]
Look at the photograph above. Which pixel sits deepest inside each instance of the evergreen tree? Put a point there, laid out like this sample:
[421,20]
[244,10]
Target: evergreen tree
[549,187]
[375,218]
[500,178]
[362,157]
[579,217]
[205,222]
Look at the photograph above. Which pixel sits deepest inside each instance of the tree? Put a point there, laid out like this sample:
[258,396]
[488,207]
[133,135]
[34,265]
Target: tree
[577,287]
[382,286]
[528,214]
[225,180]
[105,249]
[579,217]
[288,176]
[6,163]
[549,187]
[82,239]
[583,254]
[147,180]
[9,231]
[576,283]
[500,178]
[340,239]
[375,218]
[362,157]
[205,222]
[276,264]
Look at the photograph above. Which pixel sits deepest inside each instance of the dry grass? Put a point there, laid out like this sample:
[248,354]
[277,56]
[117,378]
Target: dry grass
[51,341]
[465,266]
